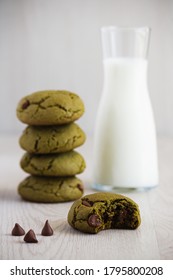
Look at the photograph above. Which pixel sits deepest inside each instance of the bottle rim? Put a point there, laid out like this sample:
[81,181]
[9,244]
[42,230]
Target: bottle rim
[125,28]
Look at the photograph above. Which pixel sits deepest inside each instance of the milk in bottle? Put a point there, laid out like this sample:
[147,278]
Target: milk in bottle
[125,149]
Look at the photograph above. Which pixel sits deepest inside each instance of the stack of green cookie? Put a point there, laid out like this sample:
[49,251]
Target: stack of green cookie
[49,141]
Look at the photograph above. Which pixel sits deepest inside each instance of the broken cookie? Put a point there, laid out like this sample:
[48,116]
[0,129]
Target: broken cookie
[95,212]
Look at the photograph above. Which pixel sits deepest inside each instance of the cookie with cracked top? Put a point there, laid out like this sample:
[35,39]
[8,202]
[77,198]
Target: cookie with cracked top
[50,189]
[50,107]
[63,164]
[52,139]
[95,212]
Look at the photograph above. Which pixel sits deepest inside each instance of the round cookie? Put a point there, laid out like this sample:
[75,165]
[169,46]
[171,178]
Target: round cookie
[50,107]
[95,212]
[65,164]
[48,189]
[52,139]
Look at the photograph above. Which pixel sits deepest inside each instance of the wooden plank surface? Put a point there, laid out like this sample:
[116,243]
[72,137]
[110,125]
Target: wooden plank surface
[152,240]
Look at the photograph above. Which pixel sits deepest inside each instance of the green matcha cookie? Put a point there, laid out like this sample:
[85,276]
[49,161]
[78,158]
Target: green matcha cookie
[95,212]
[50,107]
[65,164]
[48,189]
[52,139]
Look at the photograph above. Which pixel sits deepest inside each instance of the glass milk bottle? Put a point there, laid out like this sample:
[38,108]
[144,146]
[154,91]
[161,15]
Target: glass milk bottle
[125,148]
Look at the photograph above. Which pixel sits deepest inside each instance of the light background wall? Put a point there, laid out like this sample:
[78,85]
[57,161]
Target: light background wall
[55,44]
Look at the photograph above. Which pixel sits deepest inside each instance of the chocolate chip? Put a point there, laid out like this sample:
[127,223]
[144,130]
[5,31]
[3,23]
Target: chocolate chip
[47,230]
[94,221]
[86,203]
[80,187]
[30,237]
[122,215]
[17,230]
[25,104]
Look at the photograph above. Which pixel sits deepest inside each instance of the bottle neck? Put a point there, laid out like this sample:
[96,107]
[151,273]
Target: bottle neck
[125,41]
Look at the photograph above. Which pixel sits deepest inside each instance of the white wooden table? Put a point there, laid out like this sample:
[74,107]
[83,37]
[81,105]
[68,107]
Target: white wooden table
[152,240]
